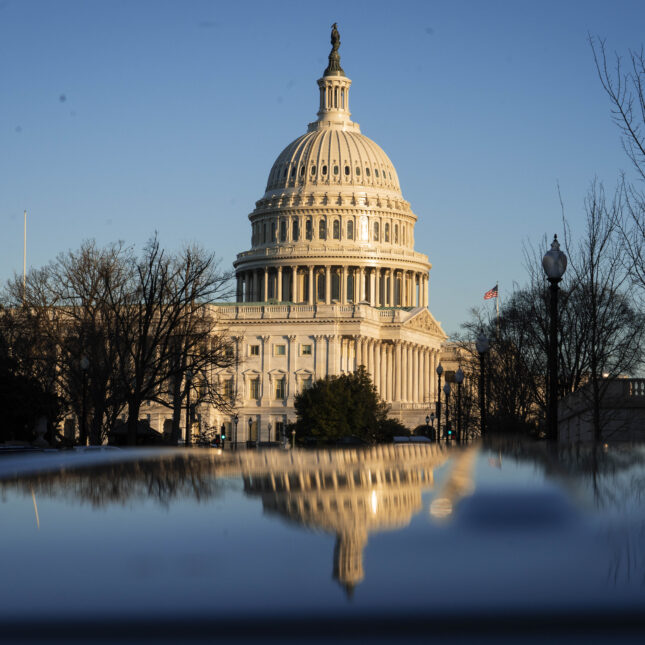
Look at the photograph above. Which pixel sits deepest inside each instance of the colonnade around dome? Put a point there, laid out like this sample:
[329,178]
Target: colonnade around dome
[326,284]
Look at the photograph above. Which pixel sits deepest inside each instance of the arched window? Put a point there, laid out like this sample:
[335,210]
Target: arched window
[336,229]
[396,234]
[347,170]
[376,232]
[308,229]
[296,230]
[324,170]
[387,232]
[302,171]
[264,233]
[376,171]
[367,172]
[403,229]
[283,230]
[322,230]
[358,171]
[273,231]
[335,170]
[313,170]
[350,230]
[342,99]
[293,172]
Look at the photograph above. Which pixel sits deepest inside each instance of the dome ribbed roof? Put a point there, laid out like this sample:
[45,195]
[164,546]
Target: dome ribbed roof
[333,157]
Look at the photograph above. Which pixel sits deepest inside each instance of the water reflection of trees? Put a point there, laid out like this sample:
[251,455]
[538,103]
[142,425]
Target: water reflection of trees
[608,478]
[162,480]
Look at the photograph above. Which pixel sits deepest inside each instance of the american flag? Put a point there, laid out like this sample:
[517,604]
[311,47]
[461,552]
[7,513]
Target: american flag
[491,294]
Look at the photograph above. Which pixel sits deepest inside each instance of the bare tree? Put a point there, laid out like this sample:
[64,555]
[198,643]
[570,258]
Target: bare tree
[160,320]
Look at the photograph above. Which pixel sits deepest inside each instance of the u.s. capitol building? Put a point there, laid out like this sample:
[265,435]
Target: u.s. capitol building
[332,279]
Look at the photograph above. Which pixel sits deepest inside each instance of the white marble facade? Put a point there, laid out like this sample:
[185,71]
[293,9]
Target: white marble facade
[331,281]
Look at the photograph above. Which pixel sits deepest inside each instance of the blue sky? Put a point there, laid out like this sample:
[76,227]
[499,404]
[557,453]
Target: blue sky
[124,117]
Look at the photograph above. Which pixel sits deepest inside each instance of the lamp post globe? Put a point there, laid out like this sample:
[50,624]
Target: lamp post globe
[482,344]
[439,373]
[459,379]
[236,418]
[554,264]
[250,429]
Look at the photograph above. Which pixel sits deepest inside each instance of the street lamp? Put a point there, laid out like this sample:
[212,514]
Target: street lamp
[446,391]
[427,426]
[293,439]
[432,418]
[250,429]
[439,373]
[554,264]
[235,420]
[459,379]
[189,378]
[483,345]
[84,364]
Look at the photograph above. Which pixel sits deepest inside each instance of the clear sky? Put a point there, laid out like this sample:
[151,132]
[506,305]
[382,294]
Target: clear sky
[122,117]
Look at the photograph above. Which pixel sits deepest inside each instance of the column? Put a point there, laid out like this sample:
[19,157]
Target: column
[327,285]
[279,286]
[417,380]
[239,292]
[310,296]
[425,290]
[360,346]
[265,295]
[410,374]
[377,366]
[383,357]
[291,368]
[397,372]
[319,343]
[404,371]
[361,284]
[390,371]
[265,395]
[247,286]
[391,273]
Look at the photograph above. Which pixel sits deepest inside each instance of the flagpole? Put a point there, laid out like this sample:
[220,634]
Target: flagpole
[24,261]
[497,304]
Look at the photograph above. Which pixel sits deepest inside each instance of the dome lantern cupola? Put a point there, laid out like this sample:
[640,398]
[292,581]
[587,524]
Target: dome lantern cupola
[334,92]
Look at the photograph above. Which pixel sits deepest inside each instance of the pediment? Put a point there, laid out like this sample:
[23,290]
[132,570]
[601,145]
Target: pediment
[425,321]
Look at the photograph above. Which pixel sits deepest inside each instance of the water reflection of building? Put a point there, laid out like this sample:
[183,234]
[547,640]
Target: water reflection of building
[348,493]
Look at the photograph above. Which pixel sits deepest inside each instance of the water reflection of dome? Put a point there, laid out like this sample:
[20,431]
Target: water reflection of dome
[348,493]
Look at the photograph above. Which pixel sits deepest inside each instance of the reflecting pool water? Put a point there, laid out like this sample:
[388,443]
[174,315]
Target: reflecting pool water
[416,531]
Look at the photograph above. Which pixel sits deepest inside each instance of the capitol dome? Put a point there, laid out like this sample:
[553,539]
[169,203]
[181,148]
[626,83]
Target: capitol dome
[332,225]
[333,158]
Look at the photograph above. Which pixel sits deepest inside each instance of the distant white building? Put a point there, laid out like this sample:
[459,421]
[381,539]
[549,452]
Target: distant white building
[332,280]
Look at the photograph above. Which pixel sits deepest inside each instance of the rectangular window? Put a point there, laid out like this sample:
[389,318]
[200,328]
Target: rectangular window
[254,350]
[228,388]
[254,388]
[296,231]
[279,389]
[283,231]
[307,383]
[305,350]
[279,350]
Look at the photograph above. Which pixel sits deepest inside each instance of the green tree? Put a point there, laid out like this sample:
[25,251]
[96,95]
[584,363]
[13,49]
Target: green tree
[342,406]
